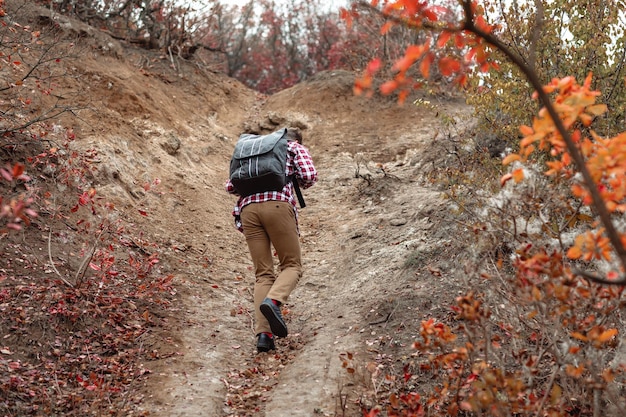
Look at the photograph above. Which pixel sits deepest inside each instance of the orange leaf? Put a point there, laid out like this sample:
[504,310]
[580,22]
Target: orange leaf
[415,52]
[402,96]
[482,24]
[389,87]
[606,335]
[579,336]
[608,375]
[574,371]
[403,64]
[386,28]
[574,252]
[518,175]
[425,65]
[586,119]
[510,158]
[526,130]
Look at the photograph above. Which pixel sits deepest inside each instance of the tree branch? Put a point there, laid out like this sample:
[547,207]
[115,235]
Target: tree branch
[598,203]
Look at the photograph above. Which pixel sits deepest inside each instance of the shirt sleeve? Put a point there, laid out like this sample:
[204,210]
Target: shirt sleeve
[305,170]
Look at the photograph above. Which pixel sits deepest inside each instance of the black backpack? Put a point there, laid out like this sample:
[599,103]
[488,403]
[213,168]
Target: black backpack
[259,164]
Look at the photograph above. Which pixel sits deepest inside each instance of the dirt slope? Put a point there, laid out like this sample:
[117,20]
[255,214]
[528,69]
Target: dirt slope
[369,213]
[357,232]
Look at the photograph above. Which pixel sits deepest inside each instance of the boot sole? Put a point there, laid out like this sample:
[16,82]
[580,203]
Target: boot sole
[276,324]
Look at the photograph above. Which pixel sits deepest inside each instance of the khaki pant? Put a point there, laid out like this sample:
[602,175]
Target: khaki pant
[267,224]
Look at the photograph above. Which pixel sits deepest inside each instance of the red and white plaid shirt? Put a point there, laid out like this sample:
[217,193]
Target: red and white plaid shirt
[299,162]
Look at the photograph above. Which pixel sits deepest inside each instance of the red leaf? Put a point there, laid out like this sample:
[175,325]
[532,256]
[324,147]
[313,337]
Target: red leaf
[449,66]
[482,25]
[373,66]
[443,39]
[18,169]
[415,52]
[430,15]
[462,80]
[459,41]
[346,16]
[142,212]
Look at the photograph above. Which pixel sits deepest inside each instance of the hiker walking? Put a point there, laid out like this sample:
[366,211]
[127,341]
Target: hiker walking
[265,172]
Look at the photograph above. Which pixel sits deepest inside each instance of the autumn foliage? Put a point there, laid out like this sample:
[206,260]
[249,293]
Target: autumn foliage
[79,286]
[540,333]
[553,346]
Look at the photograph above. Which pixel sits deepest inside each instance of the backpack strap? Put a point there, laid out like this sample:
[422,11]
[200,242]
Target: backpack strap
[296,187]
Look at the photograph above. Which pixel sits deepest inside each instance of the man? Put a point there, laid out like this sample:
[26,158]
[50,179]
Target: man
[270,218]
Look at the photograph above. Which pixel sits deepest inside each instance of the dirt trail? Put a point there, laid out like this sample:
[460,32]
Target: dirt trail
[370,211]
[357,233]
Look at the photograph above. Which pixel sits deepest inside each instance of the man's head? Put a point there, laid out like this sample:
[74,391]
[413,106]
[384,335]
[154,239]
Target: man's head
[294,135]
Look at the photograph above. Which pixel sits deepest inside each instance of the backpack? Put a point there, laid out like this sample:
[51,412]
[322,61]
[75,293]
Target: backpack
[259,163]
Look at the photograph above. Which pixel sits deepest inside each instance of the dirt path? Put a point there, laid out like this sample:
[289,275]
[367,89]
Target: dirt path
[357,233]
[369,213]
[345,271]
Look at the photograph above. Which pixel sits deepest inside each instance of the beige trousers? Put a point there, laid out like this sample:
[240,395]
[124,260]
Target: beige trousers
[267,224]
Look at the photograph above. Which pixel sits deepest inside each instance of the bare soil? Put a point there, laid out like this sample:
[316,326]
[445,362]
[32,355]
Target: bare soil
[378,252]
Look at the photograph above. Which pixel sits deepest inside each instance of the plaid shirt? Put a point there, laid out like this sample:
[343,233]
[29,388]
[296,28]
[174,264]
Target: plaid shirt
[299,162]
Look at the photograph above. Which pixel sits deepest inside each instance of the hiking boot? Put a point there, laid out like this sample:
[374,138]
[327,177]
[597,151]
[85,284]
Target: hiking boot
[272,313]
[265,343]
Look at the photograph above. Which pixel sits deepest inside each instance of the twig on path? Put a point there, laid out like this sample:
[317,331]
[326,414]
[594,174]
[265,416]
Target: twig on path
[386,319]
[52,261]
